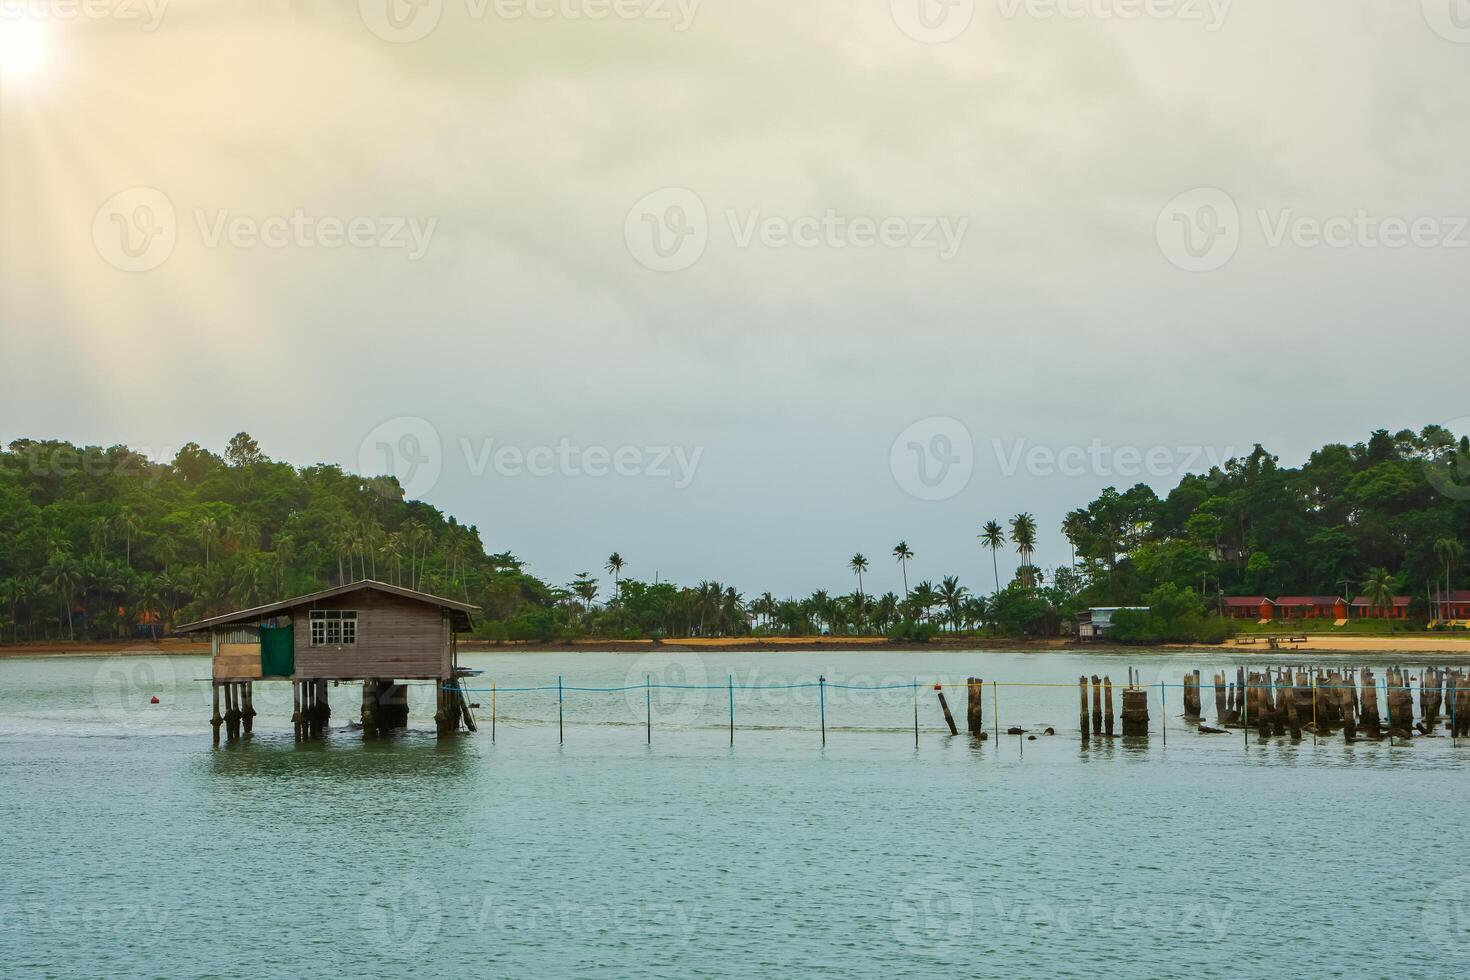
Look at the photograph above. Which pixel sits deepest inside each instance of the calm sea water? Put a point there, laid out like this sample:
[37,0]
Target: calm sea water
[134,847]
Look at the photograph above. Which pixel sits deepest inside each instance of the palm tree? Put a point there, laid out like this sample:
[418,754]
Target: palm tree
[952,594]
[993,536]
[586,587]
[97,531]
[208,529]
[1378,589]
[904,555]
[1023,535]
[131,525]
[62,576]
[859,564]
[284,551]
[1073,526]
[615,566]
[1449,551]
[924,598]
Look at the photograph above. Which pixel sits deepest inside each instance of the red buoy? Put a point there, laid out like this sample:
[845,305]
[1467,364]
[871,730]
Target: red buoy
[153,700]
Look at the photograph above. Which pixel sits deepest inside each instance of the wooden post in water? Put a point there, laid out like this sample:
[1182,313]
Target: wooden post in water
[1082,694]
[1097,716]
[1278,702]
[1345,705]
[975,707]
[944,706]
[249,713]
[1221,710]
[1108,693]
[1135,712]
[216,719]
[1293,722]
[369,707]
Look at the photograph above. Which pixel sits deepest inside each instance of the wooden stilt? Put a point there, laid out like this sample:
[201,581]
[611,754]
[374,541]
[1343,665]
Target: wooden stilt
[248,713]
[944,706]
[1082,693]
[1097,718]
[1135,712]
[216,719]
[1108,696]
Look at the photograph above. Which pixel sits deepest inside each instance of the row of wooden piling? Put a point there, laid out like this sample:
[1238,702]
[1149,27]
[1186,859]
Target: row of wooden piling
[1275,701]
[239,708]
[1099,722]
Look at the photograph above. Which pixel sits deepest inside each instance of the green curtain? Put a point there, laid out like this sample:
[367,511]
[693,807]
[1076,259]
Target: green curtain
[277,651]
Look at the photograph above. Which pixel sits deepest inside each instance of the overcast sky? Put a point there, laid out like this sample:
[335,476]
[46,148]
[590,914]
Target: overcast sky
[737,288]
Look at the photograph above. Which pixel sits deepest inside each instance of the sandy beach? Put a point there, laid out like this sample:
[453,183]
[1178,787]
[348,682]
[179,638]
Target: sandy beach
[1418,643]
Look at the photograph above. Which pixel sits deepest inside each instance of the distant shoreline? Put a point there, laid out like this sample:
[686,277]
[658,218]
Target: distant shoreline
[1422,643]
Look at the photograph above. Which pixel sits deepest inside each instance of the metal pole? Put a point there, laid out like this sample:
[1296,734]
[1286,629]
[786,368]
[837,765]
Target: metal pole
[561,732]
[822,705]
[1163,713]
[916,713]
[995,710]
[492,711]
[730,680]
[648,705]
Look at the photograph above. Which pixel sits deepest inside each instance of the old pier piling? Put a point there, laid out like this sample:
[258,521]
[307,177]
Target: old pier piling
[975,706]
[1082,717]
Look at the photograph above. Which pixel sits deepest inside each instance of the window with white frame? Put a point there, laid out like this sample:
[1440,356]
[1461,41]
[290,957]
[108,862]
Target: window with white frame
[333,627]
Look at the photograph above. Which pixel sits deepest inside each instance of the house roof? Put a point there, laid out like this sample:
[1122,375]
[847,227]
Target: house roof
[1398,600]
[1454,595]
[1309,600]
[460,612]
[1245,600]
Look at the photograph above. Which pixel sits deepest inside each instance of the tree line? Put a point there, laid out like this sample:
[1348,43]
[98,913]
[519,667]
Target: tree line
[100,543]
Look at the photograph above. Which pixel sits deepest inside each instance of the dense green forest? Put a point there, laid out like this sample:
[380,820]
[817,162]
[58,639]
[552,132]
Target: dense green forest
[99,543]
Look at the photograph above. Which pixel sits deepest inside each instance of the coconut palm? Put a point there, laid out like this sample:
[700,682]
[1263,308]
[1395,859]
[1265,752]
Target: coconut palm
[1449,551]
[585,587]
[1378,590]
[952,594]
[208,531]
[904,555]
[97,532]
[993,536]
[1023,536]
[131,525]
[62,576]
[1073,526]
[859,564]
[615,566]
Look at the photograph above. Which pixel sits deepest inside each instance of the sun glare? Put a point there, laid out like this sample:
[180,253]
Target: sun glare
[23,47]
